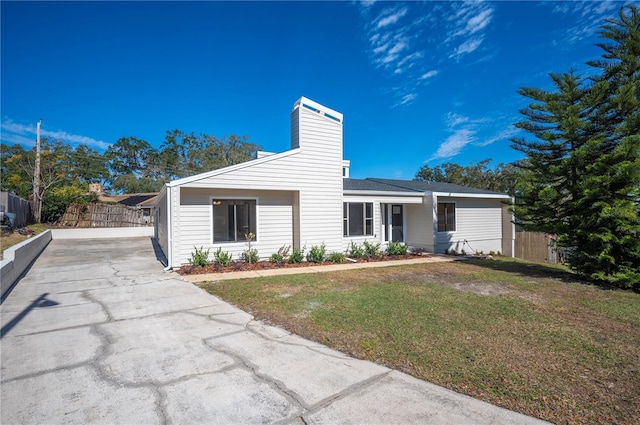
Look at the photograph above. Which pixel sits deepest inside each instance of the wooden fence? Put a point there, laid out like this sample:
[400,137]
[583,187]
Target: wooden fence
[535,246]
[15,204]
[102,215]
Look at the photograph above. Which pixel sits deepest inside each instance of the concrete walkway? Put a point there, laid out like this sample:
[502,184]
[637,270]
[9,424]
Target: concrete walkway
[98,333]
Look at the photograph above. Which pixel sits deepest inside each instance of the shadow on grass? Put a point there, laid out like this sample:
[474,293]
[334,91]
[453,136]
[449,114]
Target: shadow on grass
[540,270]
[523,268]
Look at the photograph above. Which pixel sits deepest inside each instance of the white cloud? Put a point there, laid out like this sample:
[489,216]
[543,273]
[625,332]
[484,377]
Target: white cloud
[454,144]
[505,134]
[407,42]
[381,49]
[588,16]
[400,46]
[466,26]
[467,47]
[429,74]
[367,3]
[479,21]
[25,134]
[407,99]
[454,120]
[390,17]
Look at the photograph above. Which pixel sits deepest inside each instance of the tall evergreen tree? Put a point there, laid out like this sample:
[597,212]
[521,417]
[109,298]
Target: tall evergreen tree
[583,168]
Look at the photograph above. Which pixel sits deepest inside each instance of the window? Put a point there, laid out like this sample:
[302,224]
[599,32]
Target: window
[233,219]
[446,217]
[358,218]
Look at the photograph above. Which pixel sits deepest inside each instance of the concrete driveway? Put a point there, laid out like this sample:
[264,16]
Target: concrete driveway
[98,333]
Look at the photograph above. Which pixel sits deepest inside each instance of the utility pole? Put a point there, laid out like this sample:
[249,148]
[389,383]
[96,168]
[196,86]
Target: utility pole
[36,178]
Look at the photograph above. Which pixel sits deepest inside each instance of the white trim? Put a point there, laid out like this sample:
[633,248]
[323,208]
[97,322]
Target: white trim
[169,231]
[230,168]
[455,211]
[472,195]
[233,198]
[382,193]
[322,110]
[364,219]
[404,222]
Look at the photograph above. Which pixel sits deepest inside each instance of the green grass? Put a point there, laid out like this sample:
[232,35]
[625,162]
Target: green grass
[527,337]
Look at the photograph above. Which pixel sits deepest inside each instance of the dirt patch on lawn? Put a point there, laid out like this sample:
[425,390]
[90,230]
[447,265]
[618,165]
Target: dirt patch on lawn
[480,288]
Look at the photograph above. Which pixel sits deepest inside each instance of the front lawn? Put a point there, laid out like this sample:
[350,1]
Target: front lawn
[527,337]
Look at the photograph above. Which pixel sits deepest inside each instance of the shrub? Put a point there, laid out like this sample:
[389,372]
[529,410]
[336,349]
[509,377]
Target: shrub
[251,256]
[317,253]
[222,258]
[280,256]
[372,249]
[397,248]
[418,250]
[297,255]
[337,257]
[199,257]
[355,251]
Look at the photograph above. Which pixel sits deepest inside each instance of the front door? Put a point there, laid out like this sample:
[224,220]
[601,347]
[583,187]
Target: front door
[397,224]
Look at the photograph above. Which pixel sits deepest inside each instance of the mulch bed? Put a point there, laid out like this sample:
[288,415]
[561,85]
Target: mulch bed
[238,266]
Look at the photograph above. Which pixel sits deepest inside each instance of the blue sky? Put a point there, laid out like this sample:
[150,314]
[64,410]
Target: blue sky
[418,82]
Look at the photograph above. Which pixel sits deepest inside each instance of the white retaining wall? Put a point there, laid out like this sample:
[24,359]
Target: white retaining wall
[19,257]
[103,232]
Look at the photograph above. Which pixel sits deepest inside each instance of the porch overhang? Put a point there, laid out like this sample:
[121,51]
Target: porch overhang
[386,197]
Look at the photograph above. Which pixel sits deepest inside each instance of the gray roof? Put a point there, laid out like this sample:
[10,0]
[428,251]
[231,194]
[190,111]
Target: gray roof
[410,186]
[371,185]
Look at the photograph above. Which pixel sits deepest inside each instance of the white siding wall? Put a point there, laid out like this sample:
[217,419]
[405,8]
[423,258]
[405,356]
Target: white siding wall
[275,221]
[419,224]
[314,172]
[478,221]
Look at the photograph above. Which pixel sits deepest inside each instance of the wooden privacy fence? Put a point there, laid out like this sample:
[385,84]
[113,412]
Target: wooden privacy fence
[14,204]
[535,246]
[102,215]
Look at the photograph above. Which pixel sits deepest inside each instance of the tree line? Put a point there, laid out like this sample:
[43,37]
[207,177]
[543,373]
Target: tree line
[130,165]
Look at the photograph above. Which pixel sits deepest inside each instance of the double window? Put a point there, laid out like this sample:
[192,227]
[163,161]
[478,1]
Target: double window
[233,219]
[358,219]
[446,217]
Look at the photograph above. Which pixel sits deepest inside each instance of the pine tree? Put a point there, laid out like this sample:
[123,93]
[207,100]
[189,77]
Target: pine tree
[582,172]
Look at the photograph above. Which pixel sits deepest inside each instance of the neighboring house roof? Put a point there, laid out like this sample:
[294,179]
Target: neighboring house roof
[411,187]
[131,200]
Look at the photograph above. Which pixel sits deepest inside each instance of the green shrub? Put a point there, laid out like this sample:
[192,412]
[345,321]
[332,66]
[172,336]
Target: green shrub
[337,257]
[251,256]
[372,249]
[199,257]
[397,248]
[222,258]
[297,255]
[355,251]
[280,256]
[317,253]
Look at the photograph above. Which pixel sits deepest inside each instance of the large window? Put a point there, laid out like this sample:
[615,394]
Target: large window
[233,219]
[446,217]
[358,218]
